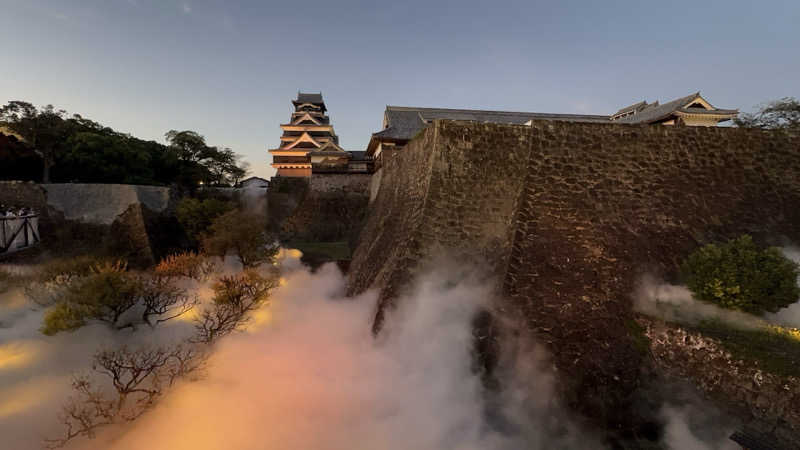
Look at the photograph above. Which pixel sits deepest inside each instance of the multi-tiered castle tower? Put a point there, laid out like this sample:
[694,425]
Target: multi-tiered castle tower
[307,138]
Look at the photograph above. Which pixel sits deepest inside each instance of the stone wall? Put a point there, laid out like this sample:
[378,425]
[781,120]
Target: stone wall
[567,216]
[103,203]
[133,221]
[768,398]
[23,194]
[283,197]
[332,209]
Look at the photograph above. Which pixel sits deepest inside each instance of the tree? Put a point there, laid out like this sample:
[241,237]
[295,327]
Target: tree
[43,129]
[189,145]
[224,167]
[187,265]
[196,215]
[775,115]
[739,275]
[110,294]
[201,162]
[137,378]
[106,158]
[235,297]
[245,234]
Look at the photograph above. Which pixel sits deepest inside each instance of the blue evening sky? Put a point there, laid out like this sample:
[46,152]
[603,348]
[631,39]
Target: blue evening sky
[228,69]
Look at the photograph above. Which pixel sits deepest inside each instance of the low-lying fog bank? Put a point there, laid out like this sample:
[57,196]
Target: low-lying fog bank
[308,374]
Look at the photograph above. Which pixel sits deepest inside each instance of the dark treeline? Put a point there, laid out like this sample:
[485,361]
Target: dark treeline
[47,145]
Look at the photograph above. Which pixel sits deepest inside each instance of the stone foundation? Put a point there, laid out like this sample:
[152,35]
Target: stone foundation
[567,216]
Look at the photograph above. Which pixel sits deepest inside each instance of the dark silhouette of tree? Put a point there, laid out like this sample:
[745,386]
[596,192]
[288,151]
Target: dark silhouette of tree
[78,149]
[42,128]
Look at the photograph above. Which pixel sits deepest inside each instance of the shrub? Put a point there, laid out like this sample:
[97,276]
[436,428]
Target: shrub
[739,275]
[71,267]
[56,275]
[109,294]
[235,297]
[196,215]
[104,295]
[243,233]
[186,264]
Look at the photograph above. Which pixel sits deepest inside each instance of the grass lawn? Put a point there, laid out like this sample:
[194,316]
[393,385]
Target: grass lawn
[776,349]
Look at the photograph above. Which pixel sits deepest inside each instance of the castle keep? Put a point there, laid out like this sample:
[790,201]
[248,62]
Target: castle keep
[309,144]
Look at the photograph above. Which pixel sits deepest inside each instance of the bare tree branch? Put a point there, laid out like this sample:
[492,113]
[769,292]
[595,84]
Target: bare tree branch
[138,378]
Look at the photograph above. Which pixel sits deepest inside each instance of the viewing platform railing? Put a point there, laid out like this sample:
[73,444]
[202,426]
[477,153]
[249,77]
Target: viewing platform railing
[18,230]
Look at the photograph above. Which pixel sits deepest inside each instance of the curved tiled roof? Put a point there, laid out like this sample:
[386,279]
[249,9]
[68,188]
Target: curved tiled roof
[404,122]
[309,98]
[655,112]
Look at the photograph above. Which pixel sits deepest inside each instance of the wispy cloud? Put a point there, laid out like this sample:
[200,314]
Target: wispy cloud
[187,8]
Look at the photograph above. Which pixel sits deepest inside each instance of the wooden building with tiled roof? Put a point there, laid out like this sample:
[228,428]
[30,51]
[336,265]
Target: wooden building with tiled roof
[309,144]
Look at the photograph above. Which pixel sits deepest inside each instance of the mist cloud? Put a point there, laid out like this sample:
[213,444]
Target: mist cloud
[316,378]
[308,374]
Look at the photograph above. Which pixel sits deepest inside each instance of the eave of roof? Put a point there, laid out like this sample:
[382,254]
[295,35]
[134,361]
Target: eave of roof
[404,122]
[630,108]
[656,113]
[331,153]
[708,112]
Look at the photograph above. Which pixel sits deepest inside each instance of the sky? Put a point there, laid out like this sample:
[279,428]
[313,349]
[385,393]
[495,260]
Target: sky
[229,69]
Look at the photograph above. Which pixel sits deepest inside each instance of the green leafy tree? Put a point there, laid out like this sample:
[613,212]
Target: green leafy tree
[775,115]
[189,145]
[243,233]
[111,294]
[104,296]
[740,275]
[107,158]
[17,160]
[204,163]
[43,129]
[196,215]
[78,149]
[224,167]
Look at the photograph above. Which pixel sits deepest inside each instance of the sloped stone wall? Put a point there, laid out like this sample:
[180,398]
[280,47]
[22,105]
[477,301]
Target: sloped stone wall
[769,398]
[567,216]
[333,209]
[19,194]
[134,221]
[103,203]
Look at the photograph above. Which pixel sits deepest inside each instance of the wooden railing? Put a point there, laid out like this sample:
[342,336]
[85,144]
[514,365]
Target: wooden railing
[18,231]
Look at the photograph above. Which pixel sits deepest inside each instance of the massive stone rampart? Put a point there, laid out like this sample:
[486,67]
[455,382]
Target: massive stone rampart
[134,220]
[567,216]
[103,203]
[332,208]
[23,194]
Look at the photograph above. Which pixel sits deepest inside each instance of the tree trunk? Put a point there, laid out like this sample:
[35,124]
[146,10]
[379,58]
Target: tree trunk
[46,170]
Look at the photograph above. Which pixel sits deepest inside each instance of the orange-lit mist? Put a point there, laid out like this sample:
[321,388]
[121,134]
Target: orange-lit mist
[316,378]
